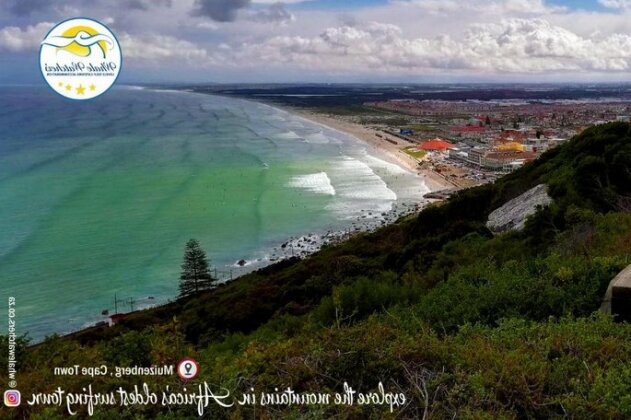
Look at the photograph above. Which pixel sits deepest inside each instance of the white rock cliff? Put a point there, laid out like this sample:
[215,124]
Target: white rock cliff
[513,214]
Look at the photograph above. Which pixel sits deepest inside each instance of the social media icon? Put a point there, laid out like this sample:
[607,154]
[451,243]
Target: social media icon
[187,369]
[12,398]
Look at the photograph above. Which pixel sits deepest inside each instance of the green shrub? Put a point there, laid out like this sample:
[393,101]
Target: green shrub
[362,297]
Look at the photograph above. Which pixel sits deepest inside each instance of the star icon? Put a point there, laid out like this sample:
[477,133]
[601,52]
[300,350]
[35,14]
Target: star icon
[80,90]
[92,87]
[68,87]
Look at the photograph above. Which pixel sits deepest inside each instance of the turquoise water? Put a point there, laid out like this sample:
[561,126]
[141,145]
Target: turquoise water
[99,197]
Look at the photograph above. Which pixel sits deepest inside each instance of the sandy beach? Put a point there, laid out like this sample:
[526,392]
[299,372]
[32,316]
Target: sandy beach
[392,147]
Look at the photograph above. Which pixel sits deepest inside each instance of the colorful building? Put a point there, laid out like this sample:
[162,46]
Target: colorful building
[436,145]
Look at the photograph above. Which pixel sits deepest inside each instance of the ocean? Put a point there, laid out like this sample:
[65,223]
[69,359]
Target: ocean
[98,198]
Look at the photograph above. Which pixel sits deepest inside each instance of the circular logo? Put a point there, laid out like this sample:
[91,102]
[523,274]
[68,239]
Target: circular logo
[187,369]
[80,58]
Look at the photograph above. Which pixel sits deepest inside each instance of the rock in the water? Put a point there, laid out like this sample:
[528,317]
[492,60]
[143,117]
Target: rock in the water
[513,214]
[241,263]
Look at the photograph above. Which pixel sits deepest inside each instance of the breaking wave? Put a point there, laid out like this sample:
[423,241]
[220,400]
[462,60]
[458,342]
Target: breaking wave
[318,183]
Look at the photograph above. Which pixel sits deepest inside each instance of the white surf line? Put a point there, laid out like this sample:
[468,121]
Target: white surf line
[319,183]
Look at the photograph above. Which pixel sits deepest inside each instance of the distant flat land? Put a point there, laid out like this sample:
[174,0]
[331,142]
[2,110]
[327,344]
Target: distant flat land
[352,97]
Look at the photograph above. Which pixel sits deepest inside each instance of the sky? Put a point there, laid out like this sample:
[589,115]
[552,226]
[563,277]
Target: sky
[402,41]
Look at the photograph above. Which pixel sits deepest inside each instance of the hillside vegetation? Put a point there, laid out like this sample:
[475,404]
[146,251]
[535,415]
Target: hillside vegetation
[462,322]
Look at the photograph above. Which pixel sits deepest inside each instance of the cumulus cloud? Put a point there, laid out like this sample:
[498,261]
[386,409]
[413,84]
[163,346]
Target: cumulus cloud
[276,1]
[40,7]
[275,13]
[145,4]
[616,4]
[512,45]
[162,49]
[16,39]
[527,7]
[136,48]
[220,10]
[26,7]
[206,26]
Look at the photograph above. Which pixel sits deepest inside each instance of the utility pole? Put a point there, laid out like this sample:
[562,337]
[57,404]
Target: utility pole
[131,302]
[116,303]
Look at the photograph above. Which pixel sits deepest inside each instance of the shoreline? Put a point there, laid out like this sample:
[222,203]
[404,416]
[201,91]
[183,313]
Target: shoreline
[302,246]
[433,181]
[305,244]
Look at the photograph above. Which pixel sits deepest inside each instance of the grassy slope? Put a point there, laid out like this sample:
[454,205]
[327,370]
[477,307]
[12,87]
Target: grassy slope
[461,321]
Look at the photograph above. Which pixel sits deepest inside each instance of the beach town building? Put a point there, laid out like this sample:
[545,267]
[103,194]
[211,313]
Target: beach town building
[510,146]
[488,138]
[512,136]
[506,162]
[437,145]
[502,161]
[469,130]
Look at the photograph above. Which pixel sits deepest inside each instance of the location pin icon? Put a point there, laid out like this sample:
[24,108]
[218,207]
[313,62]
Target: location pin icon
[187,369]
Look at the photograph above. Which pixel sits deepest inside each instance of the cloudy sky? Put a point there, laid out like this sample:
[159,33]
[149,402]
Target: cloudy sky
[339,40]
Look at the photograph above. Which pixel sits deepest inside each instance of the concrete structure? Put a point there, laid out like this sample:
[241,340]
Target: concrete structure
[492,160]
[617,299]
[475,156]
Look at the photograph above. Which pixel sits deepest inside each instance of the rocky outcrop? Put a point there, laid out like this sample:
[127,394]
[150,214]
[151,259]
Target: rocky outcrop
[513,214]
